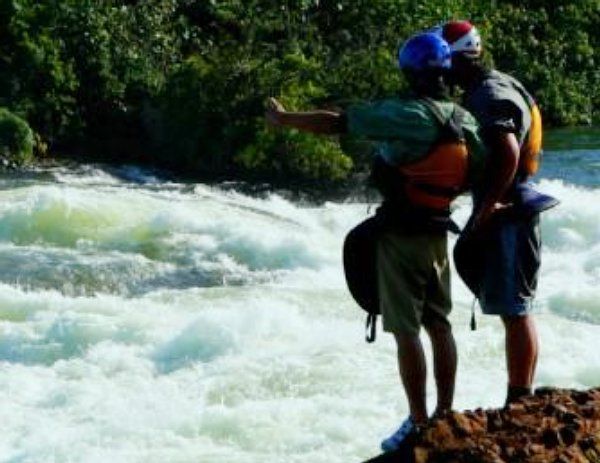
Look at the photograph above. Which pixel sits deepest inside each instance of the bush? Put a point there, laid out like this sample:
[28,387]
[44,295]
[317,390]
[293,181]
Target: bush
[289,154]
[16,138]
[200,119]
[182,83]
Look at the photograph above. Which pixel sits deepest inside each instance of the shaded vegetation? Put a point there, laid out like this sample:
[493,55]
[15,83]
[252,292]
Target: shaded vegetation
[16,139]
[182,83]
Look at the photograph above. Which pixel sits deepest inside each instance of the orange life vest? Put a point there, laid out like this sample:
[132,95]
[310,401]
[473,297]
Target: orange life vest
[438,178]
[532,146]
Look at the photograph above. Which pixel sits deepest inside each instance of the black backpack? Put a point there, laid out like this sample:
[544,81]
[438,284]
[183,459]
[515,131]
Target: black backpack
[360,269]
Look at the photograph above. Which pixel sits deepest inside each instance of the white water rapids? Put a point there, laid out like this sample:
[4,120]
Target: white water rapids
[144,321]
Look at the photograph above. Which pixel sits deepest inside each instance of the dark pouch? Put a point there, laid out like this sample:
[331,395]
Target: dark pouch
[469,259]
[360,269]
[527,201]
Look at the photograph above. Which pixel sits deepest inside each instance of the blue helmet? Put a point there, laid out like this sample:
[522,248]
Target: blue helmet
[424,52]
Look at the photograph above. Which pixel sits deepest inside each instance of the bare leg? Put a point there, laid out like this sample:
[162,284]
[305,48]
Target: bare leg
[413,373]
[521,350]
[444,363]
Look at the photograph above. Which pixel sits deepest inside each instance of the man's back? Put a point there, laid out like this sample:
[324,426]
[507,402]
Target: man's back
[501,102]
[404,131]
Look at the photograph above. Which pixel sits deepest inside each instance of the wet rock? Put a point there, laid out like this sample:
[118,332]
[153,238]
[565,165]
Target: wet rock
[551,426]
[569,418]
[550,438]
[568,435]
[543,391]
[582,398]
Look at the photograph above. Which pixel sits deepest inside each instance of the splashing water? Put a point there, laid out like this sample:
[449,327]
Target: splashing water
[147,321]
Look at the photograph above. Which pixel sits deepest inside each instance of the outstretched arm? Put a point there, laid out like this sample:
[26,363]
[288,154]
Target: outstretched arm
[318,122]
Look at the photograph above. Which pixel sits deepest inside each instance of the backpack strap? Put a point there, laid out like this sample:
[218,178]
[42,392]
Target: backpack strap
[450,131]
[371,327]
[435,110]
[452,127]
[456,122]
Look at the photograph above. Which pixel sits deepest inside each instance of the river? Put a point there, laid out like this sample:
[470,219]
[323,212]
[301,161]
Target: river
[143,320]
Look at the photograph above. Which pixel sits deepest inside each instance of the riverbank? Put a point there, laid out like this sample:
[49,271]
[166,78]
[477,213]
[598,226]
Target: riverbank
[582,169]
[553,425]
[295,187]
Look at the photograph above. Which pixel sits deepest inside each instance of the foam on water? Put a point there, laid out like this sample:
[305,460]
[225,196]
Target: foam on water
[570,286]
[149,322]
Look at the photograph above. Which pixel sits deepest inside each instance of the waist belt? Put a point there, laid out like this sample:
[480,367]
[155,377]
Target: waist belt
[436,190]
[405,219]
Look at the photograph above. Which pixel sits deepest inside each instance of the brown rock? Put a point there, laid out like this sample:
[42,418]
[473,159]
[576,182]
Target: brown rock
[567,435]
[582,398]
[552,426]
[550,438]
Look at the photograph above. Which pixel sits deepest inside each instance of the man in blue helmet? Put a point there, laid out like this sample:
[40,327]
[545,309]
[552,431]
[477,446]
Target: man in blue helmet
[427,151]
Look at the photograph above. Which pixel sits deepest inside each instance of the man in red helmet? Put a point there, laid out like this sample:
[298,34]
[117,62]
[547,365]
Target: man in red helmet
[498,256]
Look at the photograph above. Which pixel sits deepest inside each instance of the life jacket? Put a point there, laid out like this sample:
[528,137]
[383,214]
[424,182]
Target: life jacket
[531,149]
[435,180]
[525,198]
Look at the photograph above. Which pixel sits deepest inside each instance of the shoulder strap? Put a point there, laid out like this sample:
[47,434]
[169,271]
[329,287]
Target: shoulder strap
[451,128]
[456,121]
[435,110]
[371,328]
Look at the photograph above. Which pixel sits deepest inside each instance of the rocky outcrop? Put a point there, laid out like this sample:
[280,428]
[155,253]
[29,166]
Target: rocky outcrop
[551,426]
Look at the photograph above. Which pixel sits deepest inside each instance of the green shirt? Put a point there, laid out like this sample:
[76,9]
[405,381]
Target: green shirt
[404,131]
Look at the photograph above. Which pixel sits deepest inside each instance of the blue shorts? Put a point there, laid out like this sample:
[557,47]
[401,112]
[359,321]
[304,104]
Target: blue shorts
[512,262]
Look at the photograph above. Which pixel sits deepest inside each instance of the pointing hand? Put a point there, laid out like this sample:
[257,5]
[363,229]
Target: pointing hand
[274,110]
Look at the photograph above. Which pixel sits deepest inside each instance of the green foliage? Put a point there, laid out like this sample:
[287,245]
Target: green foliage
[191,126]
[552,49]
[36,81]
[80,69]
[16,138]
[294,155]
[182,83]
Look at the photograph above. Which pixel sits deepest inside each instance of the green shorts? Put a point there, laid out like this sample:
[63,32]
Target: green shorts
[413,280]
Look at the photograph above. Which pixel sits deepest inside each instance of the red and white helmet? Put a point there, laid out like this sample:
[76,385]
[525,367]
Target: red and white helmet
[463,38]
